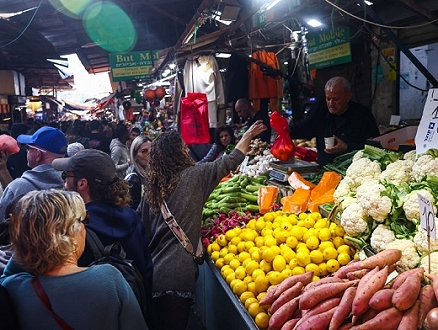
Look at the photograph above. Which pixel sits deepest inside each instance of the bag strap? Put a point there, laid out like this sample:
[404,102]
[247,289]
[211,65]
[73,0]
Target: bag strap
[46,302]
[94,243]
[179,232]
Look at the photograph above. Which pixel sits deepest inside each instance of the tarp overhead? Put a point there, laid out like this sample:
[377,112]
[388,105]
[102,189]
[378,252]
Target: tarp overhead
[71,105]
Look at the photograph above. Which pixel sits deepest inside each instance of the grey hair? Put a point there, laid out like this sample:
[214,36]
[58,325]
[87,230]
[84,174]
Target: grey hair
[133,150]
[338,81]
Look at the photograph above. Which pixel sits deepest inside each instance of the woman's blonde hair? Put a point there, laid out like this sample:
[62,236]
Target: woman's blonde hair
[133,150]
[43,228]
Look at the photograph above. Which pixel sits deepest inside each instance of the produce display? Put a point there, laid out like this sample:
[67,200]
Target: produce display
[366,265]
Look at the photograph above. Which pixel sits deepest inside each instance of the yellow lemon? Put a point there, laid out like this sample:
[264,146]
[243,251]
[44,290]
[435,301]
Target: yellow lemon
[260,224]
[282,236]
[245,295]
[274,277]
[242,256]
[240,272]
[219,263]
[223,252]
[241,246]
[288,255]
[270,241]
[256,273]
[298,270]
[313,268]
[267,231]
[249,236]
[268,216]
[232,248]
[312,242]
[245,262]
[230,277]
[332,265]
[214,255]
[226,271]
[255,255]
[303,258]
[252,288]
[330,253]
[323,269]
[251,224]
[325,244]
[221,240]
[293,263]
[324,234]
[316,216]
[343,258]
[309,222]
[339,231]
[235,240]
[234,263]
[249,301]
[338,241]
[259,241]
[254,309]
[268,255]
[279,263]
[292,241]
[215,246]
[239,288]
[302,216]
[251,266]
[230,234]
[261,283]
[262,320]
[344,248]
[316,256]
[228,257]
[249,245]
[265,266]
[276,249]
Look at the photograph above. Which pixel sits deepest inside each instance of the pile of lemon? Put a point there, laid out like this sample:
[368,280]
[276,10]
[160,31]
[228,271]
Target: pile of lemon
[273,247]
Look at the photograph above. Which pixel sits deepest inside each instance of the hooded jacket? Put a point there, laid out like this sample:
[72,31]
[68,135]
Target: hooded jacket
[41,177]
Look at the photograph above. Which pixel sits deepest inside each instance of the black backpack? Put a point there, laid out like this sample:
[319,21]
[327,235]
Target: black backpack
[114,254]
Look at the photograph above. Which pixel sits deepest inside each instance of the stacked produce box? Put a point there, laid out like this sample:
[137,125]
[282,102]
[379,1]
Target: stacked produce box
[274,252]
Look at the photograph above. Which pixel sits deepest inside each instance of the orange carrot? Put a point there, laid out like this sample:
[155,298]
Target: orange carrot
[344,308]
[325,291]
[405,296]
[286,296]
[382,299]
[365,292]
[410,320]
[389,319]
[382,259]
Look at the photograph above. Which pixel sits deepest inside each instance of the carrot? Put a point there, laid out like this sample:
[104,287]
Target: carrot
[284,313]
[382,259]
[275,291]
[289,325]
[389,319]
[382,299]
[350,267]
[403,276]
[286,296]
[365,292]
[427,302]
[320,293]
[410,320]
[318,321]
[329,279]
[405,296]
[322,307]
[344,308]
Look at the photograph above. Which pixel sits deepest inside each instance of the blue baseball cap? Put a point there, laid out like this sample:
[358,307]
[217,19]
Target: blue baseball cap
[48,138]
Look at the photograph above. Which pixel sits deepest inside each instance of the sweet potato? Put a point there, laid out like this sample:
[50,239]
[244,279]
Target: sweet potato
[329,279]
[434,279]
[427,302]
[289,325]
[309,299]
[275,291]
[381,300]
[350,267]
[365,292]
[396,282]
[382,259]
[405,296]
[368,315]
[389,319]
[357,274]
[344,308]
[286,296]
[363,281]
[317,322]
[322,307]
[409,320]
[346,326]
[284,313]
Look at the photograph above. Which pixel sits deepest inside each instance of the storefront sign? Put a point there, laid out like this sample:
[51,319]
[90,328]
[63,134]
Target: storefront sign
[427,133]
[328,48]
[130,66]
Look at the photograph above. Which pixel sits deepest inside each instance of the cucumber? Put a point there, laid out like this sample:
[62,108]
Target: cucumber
[249,197]
[253,188]
[252,208]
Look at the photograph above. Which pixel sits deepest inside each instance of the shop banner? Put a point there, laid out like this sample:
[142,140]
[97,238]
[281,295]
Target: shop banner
[328,48]
[427,133]
[131,66]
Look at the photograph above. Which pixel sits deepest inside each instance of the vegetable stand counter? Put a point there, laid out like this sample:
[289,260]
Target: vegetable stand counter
[219,306]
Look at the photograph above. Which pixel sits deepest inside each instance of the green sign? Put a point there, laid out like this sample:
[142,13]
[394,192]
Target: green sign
[131,66]
[328,48]
[261,18]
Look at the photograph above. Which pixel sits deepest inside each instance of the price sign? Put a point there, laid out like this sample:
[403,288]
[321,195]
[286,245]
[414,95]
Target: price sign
[427,216]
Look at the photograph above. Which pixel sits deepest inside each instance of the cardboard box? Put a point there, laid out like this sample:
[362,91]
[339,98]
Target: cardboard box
[399,139]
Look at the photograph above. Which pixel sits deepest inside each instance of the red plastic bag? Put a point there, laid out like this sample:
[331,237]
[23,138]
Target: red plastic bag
[194,119]
[283,147]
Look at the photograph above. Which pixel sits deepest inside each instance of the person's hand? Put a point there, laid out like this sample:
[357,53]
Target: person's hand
[255,129]
[339,147]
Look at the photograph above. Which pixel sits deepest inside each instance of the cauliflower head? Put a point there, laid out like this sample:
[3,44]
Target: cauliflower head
[398,172]
[410,257]
[433,265]
[376,206]
[410,155]
[354,220]
[358,155]
[342,190]
[381,237]
[420,240]
[411,206]
[362,170]
[424,165]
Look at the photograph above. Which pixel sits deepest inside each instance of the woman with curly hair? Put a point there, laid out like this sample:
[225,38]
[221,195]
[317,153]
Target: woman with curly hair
[224,136]
[48,238]
[173,177]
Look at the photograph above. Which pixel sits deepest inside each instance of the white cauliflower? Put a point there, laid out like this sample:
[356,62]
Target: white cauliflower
[362,170]
[354,220]
[411,206]
[410,155]
[381,237]
[342,190]
[398,172]
[376,206]
[348,200]
[420,240]
[424,165]
[410,257]
[358,155]
[433,265]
